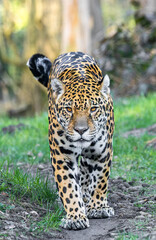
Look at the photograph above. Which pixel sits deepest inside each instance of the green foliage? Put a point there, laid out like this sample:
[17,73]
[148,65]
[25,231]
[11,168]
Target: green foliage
[33,138]
[127,236]
[24,145]
[4,207]
[133,159]
[117,12]
[140,224]
[136,112]
[131,156]
[51,220]
[23,185]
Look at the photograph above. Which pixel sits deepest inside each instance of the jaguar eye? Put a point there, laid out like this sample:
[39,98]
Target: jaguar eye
[93,109]
[69,109]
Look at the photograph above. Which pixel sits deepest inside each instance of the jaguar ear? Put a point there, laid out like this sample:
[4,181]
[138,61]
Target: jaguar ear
[105,85]
[57,87]
[40,67]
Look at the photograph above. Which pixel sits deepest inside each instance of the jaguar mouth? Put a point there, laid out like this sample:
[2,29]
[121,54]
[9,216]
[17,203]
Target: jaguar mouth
[82,140]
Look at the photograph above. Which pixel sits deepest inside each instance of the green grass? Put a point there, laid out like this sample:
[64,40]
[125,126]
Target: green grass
[32,138]
[136,112]
[121,12]
[24,146]
[50,220]
[5,207]
[130,236]
[22,187]
[127,236]
[131,156]
[132,159]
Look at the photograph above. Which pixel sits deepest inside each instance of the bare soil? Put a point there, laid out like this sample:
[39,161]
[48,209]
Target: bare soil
[133,203]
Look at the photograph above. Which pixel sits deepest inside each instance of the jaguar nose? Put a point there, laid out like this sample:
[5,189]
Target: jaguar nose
[81,130]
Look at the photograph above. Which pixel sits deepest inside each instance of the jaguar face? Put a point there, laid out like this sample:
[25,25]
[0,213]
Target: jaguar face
[81,114]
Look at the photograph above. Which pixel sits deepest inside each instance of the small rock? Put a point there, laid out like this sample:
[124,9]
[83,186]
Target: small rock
[145,185]
[132,199]
[27,205]
[122,195]
[23,237]
[140,217]
[41,167]
[10,225]
[37,145]
[2,213]
[18,209]
[114,198]
[122,187]
[40,155]
[112,234]
[34,213]
[5,194]
[126,185]
[142,209]
[135,188]
[30,154]
[25,213]
[143,213]
[153,235]
[20,164]
[148,227]
[120,204]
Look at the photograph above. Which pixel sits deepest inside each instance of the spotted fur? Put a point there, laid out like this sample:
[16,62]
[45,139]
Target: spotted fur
[81,125]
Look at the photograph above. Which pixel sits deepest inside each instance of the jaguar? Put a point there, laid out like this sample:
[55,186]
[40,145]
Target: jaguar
[81,125]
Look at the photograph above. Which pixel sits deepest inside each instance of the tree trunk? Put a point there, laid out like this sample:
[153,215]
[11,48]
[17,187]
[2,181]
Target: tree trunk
[97,23]
[42,34]
[76,29]
[82,24]
[43,37]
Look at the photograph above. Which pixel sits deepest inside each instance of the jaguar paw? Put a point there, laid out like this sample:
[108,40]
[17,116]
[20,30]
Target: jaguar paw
[100,213]
[75,224]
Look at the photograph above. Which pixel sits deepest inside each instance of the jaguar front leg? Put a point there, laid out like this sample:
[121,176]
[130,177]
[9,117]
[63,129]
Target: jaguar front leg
[85,180]
[66,177]
[98,207]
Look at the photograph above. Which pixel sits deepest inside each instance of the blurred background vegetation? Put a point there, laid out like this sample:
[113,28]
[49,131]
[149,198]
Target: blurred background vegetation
[120,34]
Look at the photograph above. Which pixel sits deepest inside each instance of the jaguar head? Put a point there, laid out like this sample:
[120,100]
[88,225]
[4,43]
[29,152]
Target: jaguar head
[81,109]
[82,113]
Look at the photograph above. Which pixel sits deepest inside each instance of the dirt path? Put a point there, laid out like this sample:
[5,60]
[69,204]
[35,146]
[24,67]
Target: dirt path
[133,203]
[99,229]
[131,210]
